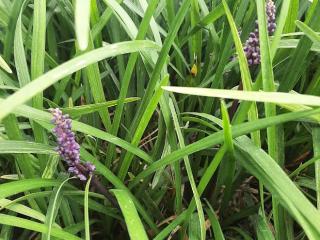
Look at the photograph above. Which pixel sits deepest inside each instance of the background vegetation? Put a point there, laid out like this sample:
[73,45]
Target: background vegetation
[182,165]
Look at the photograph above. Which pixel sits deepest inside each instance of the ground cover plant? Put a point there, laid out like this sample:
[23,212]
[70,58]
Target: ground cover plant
[159,119]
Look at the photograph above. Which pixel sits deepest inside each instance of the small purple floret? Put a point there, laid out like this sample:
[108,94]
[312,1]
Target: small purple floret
[252,45]
[68,148]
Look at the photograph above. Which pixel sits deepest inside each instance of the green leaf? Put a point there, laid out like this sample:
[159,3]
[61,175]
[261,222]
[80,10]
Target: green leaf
[10,146]
[82,22]
[123,18]
[34,226]
[115,181]
[263,230]
[132,219]
[78,111]
[161,61]
[227,128]
[104,18]
[194,227]
[4,65]
[51,166]
[21,209]
[297,108]
[86,209]
[92,73]
[218,234]
[171,227]
[142,126]
[261,165]
[12,188]
[201,220]
[127,78]
[55,201]
[299,58]
[217,138]
[270,109]
[314,37]
[19,52]
[281,22]
[73,65]
[292,15]
[8,38]
[316,151]
[244,69]
[293,43]
[8,87]
[269,97]
[210,18]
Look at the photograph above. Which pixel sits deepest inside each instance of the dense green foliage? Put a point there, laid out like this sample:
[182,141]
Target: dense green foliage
[143,81]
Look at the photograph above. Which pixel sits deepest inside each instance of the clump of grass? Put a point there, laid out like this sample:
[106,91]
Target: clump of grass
[159,153]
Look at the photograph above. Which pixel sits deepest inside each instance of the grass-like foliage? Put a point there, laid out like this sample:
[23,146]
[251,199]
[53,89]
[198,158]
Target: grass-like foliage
[159,119]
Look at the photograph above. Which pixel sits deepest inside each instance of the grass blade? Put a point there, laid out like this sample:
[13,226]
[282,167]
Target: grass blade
[309,32]
[127,76]
[19,52]
[12,188]
[115,181]
[263,230]
[270,109]
[34,226]
[21,209]
[217,138]
[86,209]
[4,65]
[161,61]
[78,111]
[261,96]
[63,70]
[11,146]
[218,234]
[316,150]
[82,22]
[55,201]
[189,173]
[141,127]
[134,224]
[275,179]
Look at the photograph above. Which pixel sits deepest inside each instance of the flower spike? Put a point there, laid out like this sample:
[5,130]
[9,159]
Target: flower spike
[68,148]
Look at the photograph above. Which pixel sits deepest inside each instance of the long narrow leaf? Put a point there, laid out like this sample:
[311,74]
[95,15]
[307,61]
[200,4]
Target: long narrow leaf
[82,22]
[63,70]
[134,224]
[269,97]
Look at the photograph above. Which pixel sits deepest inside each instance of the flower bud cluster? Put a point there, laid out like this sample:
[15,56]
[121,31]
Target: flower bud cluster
[68,148]
[252,45]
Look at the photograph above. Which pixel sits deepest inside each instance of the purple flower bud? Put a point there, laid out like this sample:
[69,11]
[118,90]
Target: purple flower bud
[68,148]
[81,177]
[90,166]
[271,15]
[252,45]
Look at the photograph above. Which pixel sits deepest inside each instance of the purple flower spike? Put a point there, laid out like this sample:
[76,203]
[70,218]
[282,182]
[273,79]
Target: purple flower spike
[271,15]
[68,148]
[252,49]
[252,45]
